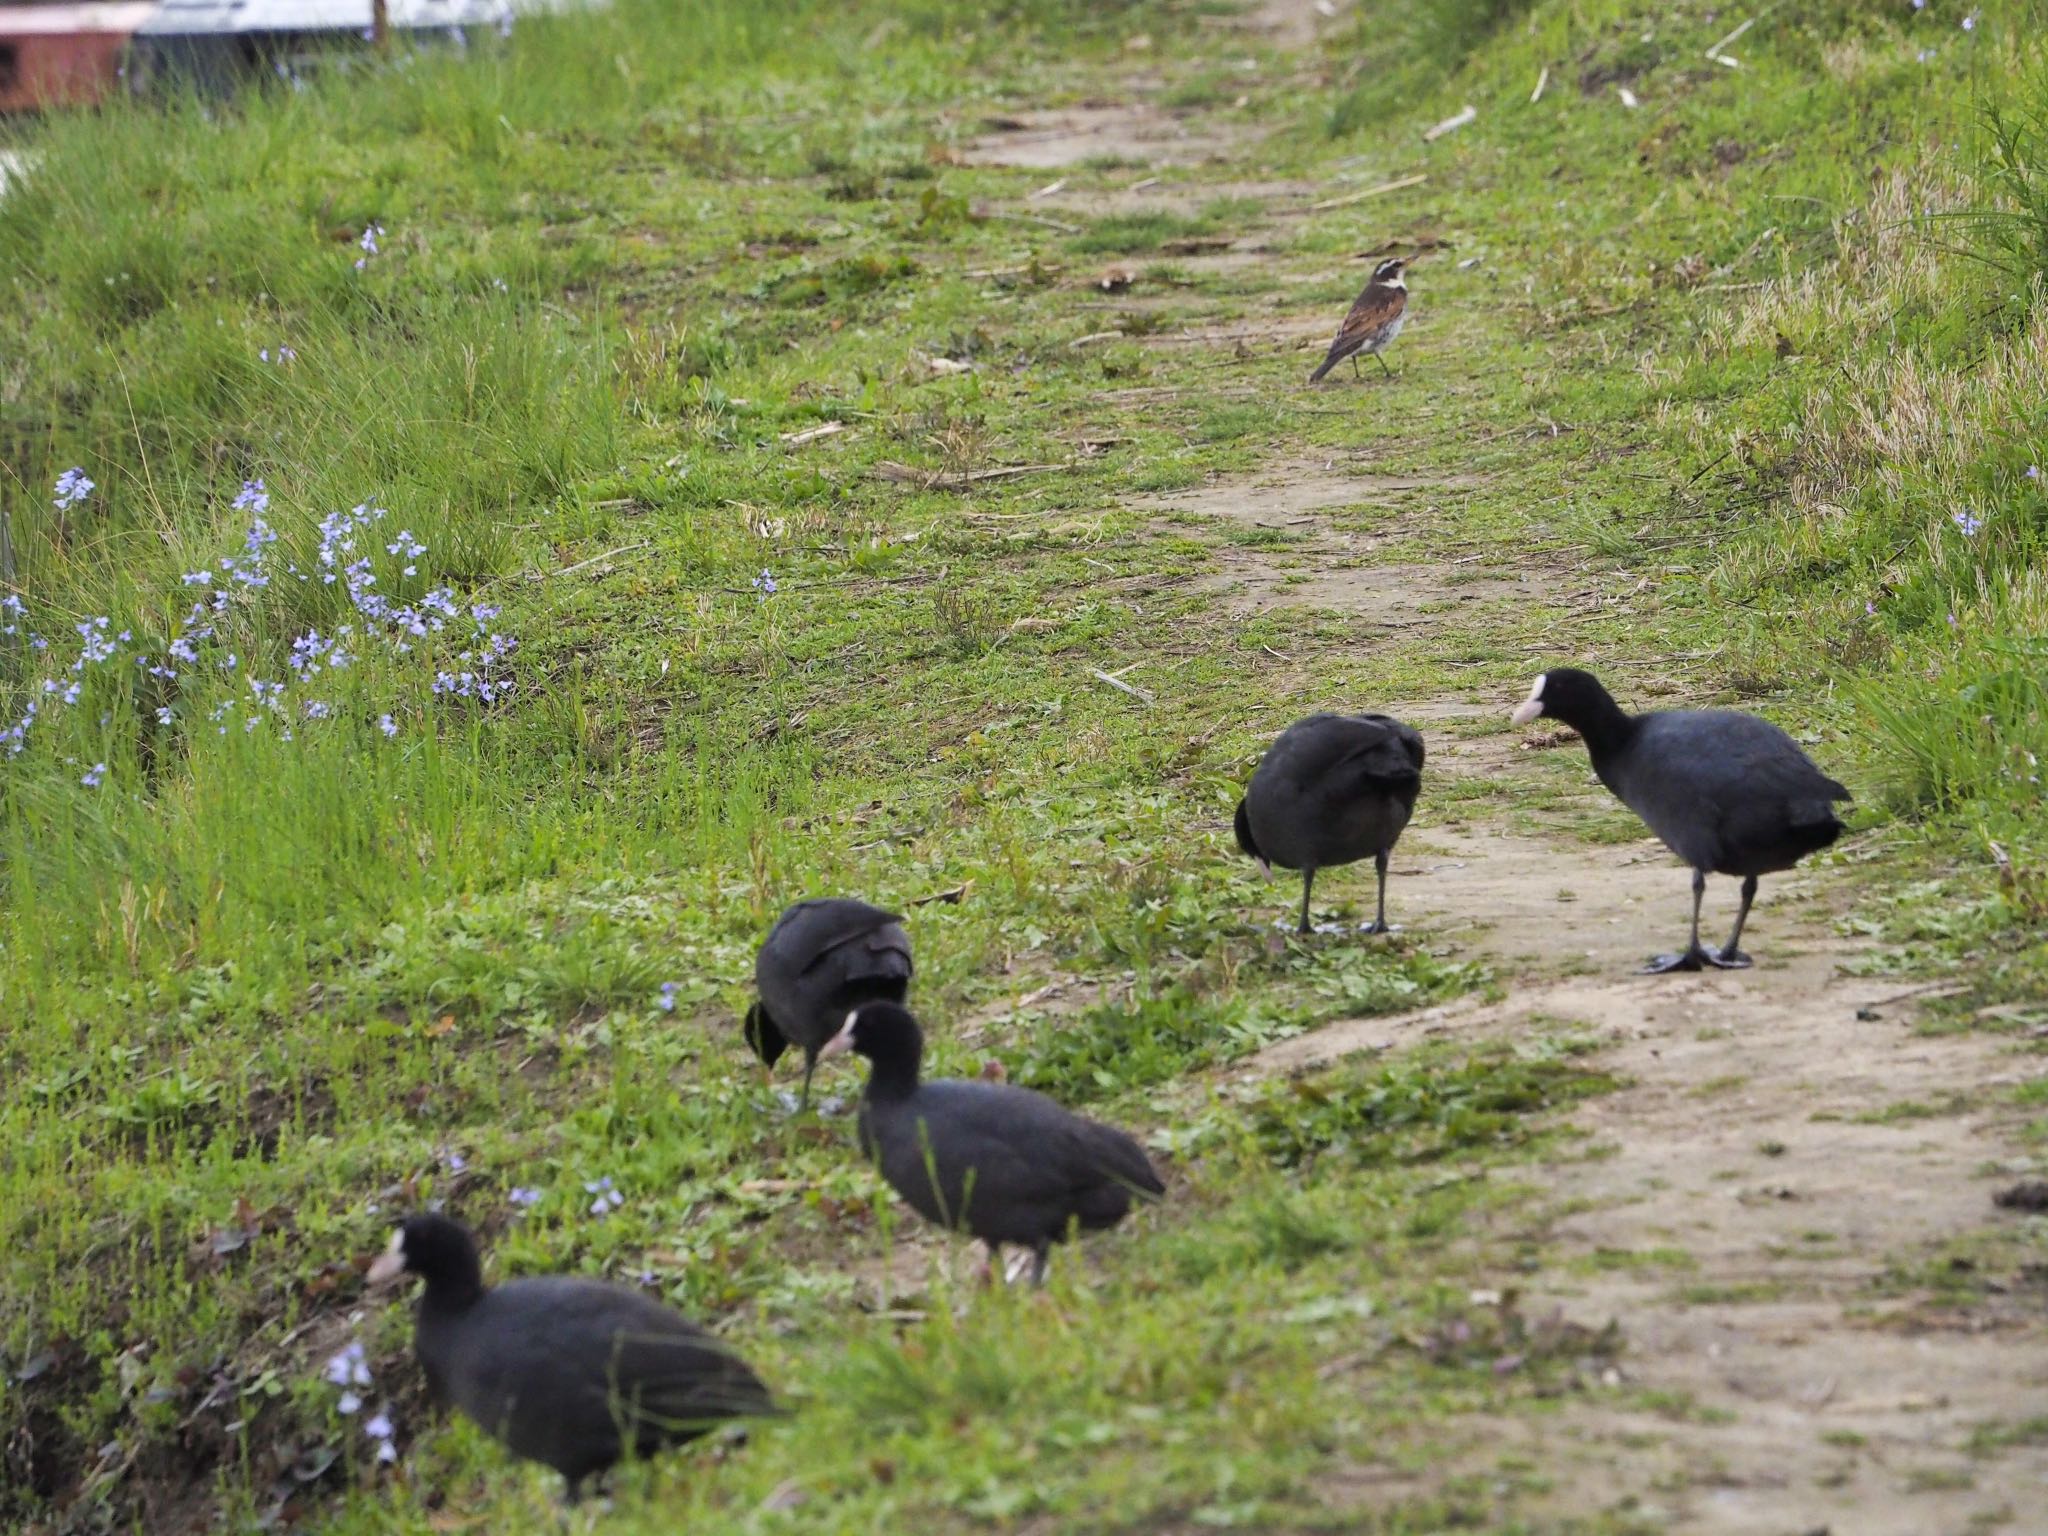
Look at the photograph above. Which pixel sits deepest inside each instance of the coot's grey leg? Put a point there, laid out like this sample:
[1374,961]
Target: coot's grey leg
[1308,880]
[810,1066]
[1694,957]
[1379,924]
[1041,1259]
[1732,958]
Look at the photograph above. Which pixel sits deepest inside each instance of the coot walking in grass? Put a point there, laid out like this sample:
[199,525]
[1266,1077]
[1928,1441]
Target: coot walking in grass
[998,1162]
[563,1370]
[822,958]
[1331,790]
[1728,793]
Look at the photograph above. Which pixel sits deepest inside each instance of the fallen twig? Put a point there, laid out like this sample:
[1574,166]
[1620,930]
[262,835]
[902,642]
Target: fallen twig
[812,434]
[1359,197]
[1030,218]
[1451,124]
[1047,190]
[1094,336]
[1542,79]
[1116,682]
[951,898]
[570,570]
[942,480]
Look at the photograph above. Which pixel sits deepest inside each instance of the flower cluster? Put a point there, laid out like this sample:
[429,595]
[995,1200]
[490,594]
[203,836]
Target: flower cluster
[764,584]
[349,1370]
[72,488]
[608,1199]
[372,233]
[199,642]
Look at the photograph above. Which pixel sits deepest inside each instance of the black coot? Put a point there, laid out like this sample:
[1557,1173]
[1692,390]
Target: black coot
[1332,790]
[1001,1163]
[821,959]
[568,1371]
[1728,793]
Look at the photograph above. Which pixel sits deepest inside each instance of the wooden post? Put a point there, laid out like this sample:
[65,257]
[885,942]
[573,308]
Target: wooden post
[380,25]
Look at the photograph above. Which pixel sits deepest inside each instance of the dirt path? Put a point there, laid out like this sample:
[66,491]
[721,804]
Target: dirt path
[1787,1208]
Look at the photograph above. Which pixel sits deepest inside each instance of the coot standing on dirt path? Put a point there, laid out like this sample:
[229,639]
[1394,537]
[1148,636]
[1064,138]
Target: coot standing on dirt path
[998,1162]
[822,958]
[1332,789]
[568,1371]
[1728,793]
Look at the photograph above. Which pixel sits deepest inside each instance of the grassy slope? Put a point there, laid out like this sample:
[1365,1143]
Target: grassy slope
[267,988]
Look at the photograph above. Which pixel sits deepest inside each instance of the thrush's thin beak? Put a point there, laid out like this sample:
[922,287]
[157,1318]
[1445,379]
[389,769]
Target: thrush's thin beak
[842,1042]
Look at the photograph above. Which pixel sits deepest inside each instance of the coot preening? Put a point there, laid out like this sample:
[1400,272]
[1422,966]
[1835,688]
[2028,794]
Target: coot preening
[822,958]
[998,1162]
[563,1370]
[1331,790]
[1728,793]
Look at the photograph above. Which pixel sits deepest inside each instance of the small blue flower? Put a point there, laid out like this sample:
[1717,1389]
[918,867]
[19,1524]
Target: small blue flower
[387,725]
[524,1198]
[93,775]
[666,1001]
[1967,523]
[608,1199]
[349,1403]
[764,584]
[255,498]
[72,488]
[1969,23]
[2033,471]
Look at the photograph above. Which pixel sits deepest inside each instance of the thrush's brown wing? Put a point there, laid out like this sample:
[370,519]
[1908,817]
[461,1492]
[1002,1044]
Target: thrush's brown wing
[1377,308]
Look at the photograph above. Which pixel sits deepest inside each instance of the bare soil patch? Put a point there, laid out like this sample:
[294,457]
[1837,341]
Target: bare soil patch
[1770,1206]
[1135,132]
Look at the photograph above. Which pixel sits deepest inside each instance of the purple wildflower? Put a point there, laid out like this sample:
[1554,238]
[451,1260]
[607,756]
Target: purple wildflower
[1967,523]
[524,1198]
[387,725]
[93,776]
[765,585]
[608,1199]
[666,1002]
[254,498]
[72,488]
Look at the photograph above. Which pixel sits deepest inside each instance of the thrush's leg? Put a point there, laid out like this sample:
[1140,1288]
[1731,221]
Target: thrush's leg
[1354,366]
[1383,365]
[1694,957]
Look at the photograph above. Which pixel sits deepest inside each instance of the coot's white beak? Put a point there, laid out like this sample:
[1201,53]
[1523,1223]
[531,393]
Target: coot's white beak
[1532,706]
[390,1264]
[842,1042]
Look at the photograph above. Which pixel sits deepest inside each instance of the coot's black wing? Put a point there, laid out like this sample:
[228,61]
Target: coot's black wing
[568,1371]
[824,956]
[1004,1163]
[1728,791]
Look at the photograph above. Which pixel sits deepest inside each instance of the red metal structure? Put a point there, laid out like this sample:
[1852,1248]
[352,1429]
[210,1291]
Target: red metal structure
[64,55]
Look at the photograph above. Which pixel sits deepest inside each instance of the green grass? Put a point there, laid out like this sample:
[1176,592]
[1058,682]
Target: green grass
[261,993]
